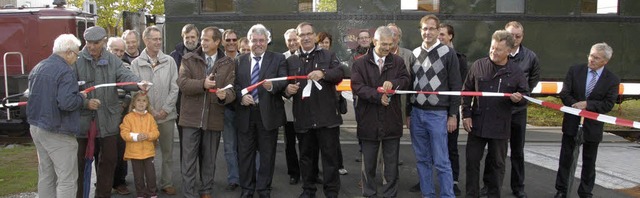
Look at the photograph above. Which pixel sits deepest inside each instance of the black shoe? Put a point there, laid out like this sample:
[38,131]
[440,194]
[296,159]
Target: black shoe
[483,191]
[319,180]
[456,190]
[560,195]
[307,194]
[293,180]
[520,194]
[246,194]
[358,159]
[264,194]
[231,187]
[415,188]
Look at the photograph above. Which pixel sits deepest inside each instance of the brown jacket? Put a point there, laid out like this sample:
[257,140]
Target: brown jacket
[198,107]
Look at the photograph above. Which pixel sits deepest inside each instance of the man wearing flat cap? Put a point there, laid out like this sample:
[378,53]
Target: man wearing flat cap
[101,108]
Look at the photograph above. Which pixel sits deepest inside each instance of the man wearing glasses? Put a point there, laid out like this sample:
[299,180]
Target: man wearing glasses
[317,119]
[431,117]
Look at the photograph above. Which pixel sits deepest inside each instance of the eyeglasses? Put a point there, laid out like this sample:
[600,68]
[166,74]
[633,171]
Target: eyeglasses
[74,52]
[428,29]
[306,34]
[231,40]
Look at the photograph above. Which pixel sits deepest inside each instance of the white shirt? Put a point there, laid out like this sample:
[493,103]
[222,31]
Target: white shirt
[424,46]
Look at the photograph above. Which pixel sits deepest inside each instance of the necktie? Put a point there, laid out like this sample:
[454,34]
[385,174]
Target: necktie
[592,83]
[209,62]
[380,64]
[255,76]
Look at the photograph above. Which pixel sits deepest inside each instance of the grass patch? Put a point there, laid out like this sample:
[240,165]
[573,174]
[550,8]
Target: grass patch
[18,170]
[543,116]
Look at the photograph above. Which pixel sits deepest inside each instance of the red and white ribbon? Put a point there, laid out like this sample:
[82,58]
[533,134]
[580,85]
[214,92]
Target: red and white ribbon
[87,90]
[229,86]
[448,93]
[254,86]
[573,111]
[587,114]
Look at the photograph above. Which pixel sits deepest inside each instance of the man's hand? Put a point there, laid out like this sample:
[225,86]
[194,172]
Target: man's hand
[387,85]
[385,100]
[316,75]
[451,124]
[247,100]
[468,124]
[94,104]
[144,85]
[221,94]
[580,105]
[161,115]
[209,84]
[515,97]
[83,94]
[292,89]
[267,85]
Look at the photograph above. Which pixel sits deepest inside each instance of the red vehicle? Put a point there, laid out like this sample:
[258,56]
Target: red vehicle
[26,38]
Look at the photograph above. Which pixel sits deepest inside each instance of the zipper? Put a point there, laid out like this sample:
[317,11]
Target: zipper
[204,102]
[499,83]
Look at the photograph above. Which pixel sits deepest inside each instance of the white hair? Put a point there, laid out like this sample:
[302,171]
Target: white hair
[114,39]
[383,31]
[289,31]
[259,29]
[604,47]
[66,42]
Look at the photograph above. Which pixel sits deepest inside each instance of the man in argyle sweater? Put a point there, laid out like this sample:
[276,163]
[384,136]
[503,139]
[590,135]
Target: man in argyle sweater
[431,117]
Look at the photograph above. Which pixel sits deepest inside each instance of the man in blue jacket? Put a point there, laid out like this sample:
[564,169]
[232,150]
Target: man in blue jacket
[52,111]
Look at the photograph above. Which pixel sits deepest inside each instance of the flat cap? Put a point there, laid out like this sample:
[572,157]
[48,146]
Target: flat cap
[95,33]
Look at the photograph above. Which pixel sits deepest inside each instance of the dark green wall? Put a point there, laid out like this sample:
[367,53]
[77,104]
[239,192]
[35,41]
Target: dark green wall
[554,29]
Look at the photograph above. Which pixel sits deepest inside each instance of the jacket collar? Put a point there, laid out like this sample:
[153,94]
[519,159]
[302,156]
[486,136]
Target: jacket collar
[144,57]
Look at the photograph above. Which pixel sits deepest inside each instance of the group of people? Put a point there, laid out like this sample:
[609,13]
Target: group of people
[200,87]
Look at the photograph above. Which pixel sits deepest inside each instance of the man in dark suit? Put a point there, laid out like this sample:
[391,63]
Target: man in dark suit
[317,120]
[260,112]
[589,87]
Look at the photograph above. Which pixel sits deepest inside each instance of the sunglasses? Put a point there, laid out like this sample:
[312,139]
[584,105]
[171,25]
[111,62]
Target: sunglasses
[229,40]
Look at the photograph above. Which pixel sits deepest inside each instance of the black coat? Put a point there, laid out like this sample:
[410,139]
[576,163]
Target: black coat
[491,116]
[320,109]
[377,122]
[271,104]
[601,100]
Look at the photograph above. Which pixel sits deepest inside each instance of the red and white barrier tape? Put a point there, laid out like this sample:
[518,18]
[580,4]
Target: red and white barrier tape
[254,86]
[87,90]
[562,108]
[587,114]
[229,86]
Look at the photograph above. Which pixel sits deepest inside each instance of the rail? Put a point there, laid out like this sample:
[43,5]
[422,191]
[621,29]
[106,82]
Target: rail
[6,75]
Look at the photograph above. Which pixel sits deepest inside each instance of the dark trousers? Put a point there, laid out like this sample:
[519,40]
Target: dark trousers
[452,145]
[105,155]
[588,174]
[390,152]
[293,167]
[144,177]
[497,152]
[326,140]
[121,166]
[200,149]
[250,142]
[516,143]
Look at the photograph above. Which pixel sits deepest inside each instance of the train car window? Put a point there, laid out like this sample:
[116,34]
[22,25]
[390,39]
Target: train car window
[317,5]
[420,5]
[510,6]
[599,6]
[218,6]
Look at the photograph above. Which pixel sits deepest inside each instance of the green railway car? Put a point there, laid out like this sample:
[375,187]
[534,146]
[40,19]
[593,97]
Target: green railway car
[561,32]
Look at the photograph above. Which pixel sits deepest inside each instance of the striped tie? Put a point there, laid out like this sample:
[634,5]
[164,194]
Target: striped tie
[592,83]
[255,77]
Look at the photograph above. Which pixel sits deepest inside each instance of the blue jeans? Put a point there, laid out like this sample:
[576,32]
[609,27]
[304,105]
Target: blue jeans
[230,146]
[429,140]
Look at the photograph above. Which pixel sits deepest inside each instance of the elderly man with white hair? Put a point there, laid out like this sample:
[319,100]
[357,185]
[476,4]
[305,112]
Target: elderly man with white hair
[52,111]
